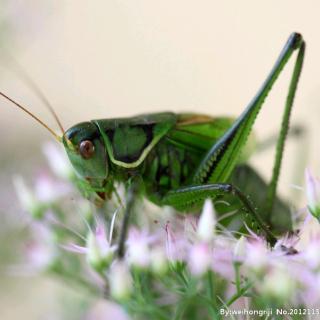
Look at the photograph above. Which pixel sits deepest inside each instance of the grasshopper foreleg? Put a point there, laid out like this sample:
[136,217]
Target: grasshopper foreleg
[130,201]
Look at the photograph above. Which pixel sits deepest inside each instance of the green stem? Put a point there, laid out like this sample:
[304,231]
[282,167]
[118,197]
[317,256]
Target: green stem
[238,276]
[239,294]
[212,290]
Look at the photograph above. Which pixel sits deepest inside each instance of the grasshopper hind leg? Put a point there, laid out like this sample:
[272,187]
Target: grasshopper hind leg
[187,197]
[252,184]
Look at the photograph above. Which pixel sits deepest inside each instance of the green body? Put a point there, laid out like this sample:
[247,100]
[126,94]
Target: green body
[182,159]
[165,150]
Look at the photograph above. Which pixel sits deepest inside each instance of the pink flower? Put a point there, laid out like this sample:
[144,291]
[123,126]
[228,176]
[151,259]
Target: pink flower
[98,250]
[138,248]
[200,258]
[257,257]
[39,253]
[311,254]
[176,245]
[103,310]
[47,190]
[38,200]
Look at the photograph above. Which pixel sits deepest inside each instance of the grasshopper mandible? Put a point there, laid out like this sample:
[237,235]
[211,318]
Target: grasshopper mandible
[181,159]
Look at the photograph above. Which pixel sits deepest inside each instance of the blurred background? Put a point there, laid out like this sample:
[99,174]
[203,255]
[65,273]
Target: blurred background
[101,59]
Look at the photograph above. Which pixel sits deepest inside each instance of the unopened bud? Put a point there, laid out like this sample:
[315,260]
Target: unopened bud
[240,249]
[120,281]
[207,222]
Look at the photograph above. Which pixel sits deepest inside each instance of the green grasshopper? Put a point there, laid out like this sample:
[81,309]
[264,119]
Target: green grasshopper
[180,160]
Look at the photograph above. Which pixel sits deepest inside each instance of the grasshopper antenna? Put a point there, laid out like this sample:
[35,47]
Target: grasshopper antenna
[23,74]
[32,115]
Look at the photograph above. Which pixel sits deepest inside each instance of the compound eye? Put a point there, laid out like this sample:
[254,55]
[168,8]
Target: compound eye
[86,149]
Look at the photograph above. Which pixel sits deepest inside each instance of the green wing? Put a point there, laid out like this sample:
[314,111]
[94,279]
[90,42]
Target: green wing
[198,133]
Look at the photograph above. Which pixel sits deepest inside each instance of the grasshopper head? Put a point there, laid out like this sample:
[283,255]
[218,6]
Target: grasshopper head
[87,153]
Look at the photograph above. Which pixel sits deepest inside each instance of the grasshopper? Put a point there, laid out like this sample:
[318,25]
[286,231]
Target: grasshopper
[179,160]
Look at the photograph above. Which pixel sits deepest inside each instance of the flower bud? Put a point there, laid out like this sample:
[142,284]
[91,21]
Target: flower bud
[27,198]
[240,249]
[207,222]
[159,262]
[313,194]
[120,281]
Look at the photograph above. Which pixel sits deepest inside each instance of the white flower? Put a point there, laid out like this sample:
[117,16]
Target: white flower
[207,222]
[120,281]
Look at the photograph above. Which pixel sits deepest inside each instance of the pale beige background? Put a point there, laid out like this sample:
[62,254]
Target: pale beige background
[98,59]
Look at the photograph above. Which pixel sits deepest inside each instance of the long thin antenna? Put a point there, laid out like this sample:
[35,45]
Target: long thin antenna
[32,115]
[23,74]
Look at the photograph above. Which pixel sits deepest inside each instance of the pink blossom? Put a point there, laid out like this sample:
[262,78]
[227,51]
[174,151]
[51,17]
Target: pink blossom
[58,160]
[138,248]
[176,245]
[257,256]
[98,250]
[200,258]
[39,253]
[103,310]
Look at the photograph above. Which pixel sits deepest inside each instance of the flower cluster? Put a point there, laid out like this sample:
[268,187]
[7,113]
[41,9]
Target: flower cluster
[174,264]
